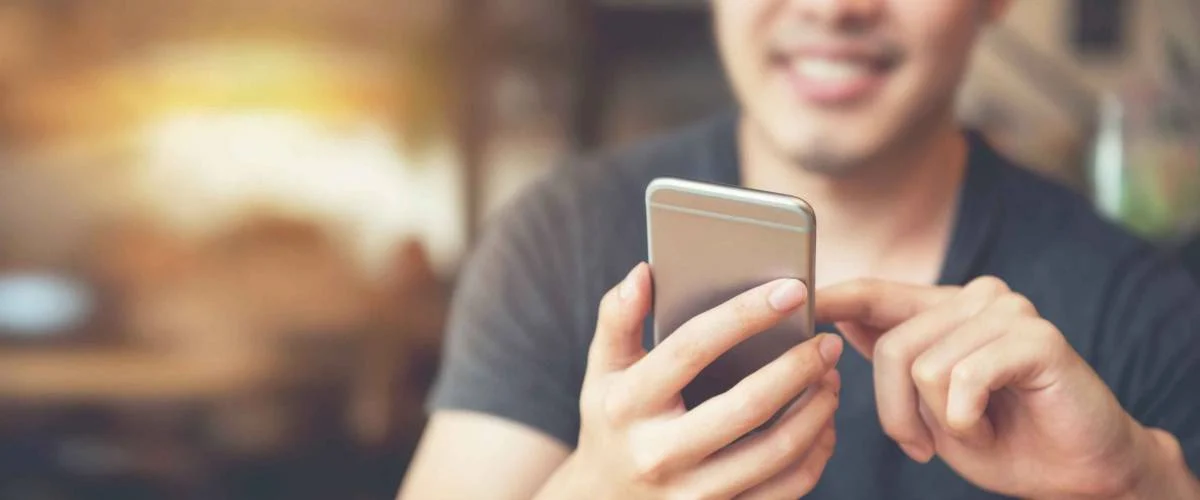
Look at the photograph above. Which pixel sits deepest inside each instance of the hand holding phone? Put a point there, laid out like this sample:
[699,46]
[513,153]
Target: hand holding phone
[733,323]
[637,440]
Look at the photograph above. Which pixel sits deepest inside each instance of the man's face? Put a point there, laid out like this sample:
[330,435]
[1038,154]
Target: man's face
[836,84]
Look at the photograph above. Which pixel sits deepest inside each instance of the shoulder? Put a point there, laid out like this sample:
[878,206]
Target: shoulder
[1057,224]
[586,217]
[1102,285]
[625,172]
[595,194]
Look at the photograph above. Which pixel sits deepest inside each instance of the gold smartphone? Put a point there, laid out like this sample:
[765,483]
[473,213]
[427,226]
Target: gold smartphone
[709,243]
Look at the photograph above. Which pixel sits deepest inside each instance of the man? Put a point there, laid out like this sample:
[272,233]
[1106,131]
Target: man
[1072,373]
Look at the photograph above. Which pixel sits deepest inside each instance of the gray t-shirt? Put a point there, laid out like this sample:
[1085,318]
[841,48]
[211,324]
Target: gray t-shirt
[525,309]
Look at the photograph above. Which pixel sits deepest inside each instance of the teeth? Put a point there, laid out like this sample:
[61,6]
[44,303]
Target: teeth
[829,69]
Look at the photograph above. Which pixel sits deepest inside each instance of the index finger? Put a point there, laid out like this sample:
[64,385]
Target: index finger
[668,368]
[877,304]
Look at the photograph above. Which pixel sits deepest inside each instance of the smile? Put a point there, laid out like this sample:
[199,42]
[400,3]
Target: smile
[829,79]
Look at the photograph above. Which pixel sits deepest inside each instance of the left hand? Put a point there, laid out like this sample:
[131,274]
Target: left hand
[978,377]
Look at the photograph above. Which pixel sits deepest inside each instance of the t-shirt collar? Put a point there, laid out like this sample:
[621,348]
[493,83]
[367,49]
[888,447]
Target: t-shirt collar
[978,208]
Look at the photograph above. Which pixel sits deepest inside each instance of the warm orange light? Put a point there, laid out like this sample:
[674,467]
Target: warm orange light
[258,75]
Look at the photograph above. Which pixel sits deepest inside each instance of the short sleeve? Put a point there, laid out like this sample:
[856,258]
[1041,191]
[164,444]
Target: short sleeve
[513,348]
[1152,351]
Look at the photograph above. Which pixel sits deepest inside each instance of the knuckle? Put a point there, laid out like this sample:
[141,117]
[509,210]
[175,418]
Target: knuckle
[650,465]
[1017,303]
[927,373]
[1047,337]
[785,447]
[890,349]
[965,374]
[615,408]
[1045,331]
[743,410]
[861,286]
[989,285]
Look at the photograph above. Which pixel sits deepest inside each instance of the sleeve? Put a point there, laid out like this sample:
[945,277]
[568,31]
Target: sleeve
[1153,345]
[513,349]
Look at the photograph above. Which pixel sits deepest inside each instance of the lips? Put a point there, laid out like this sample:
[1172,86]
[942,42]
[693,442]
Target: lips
[829,76]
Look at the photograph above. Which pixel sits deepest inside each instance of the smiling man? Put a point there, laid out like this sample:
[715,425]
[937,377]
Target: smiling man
[1005,341]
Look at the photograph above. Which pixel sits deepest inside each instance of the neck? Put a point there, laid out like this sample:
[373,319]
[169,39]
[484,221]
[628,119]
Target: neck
[889,219]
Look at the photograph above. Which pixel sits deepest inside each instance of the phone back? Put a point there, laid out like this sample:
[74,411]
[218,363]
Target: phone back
[709,243]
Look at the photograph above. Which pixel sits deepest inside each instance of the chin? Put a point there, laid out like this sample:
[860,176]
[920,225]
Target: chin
[829,163]
[828,153]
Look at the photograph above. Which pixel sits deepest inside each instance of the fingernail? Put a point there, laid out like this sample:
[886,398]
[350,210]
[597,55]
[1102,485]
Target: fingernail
[787,295]
[831,348]
[917,452]
[628,286]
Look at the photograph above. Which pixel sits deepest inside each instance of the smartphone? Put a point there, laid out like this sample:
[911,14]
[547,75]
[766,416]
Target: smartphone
[707,244]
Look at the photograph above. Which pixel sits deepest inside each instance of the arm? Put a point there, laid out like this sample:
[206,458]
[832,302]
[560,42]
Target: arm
[505,402]
[470,455]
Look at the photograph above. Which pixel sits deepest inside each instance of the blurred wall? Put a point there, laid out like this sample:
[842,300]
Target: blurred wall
[1041,126]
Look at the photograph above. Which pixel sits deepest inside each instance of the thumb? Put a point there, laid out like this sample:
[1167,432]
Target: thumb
[617,343]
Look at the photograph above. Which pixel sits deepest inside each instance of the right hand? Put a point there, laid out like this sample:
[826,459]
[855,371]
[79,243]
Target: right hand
[637,440]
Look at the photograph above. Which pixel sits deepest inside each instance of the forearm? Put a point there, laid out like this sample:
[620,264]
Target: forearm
[1164,474]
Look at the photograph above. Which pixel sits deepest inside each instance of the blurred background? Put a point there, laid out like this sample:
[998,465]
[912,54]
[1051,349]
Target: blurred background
[229,228]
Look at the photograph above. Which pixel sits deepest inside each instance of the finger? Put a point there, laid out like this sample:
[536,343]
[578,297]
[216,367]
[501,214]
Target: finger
[896,394]
[931,371]
[1019,361]
[801,478]
[757,459]
[663,373]
[617,343]
[878,304]
[751,403]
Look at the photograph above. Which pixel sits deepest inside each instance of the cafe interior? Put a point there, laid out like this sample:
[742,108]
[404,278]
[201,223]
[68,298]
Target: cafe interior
[230,229]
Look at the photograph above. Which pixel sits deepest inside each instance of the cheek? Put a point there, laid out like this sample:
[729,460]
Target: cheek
[742,14]
[940,35]
[940,31]
[740,25]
